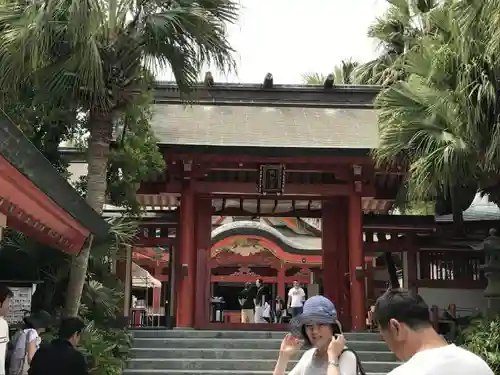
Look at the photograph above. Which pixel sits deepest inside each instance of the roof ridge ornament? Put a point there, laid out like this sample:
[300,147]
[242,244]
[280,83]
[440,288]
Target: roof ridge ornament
[268,81]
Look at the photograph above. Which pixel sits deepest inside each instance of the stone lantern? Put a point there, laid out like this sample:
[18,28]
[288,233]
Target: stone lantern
[491,269]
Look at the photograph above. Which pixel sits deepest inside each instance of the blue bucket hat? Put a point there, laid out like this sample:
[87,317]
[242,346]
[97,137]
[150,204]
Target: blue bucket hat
[316,310]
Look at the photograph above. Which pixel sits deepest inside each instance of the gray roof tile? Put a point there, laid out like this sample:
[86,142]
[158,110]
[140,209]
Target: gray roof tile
[209,125]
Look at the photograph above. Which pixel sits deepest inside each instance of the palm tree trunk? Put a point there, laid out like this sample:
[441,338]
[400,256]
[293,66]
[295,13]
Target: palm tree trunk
[101,127]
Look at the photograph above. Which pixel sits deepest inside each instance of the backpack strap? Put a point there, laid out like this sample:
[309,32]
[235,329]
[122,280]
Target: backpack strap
[359,366]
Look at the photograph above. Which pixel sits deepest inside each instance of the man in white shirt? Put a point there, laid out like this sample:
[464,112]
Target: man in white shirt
[296,298]
[405,325]
[5,296]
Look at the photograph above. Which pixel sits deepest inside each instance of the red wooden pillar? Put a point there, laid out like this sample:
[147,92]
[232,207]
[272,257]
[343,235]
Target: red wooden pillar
[343,275]
[356,263]
[203,246]
[281,282]
[330,243]
[187,261]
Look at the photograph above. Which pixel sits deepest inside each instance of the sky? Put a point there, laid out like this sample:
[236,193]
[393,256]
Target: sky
[289,38]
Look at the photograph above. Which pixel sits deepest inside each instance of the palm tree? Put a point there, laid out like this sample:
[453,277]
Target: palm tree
[442,120]
[342,74]
[404,23]
[98,54]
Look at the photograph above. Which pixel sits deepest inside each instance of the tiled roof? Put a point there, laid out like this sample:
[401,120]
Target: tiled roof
[211,125]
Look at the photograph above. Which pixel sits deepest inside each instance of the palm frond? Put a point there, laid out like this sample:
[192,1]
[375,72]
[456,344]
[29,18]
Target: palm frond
[313,78]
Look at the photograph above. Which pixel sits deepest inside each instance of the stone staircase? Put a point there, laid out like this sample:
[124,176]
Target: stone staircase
[190,352]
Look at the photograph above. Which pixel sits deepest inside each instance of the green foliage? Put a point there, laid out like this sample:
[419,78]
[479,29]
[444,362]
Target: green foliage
[93,52]
[398,31]
[482,337]
[106,349]
[43,120]
[106,342]
[439,111]
[343,74]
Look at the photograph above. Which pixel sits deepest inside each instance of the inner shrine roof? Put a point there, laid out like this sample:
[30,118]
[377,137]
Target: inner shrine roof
[290,241]
[266,126]
[481,209]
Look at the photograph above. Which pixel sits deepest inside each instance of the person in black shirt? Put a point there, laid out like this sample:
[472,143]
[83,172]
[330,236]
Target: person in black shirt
[60,357]
[246,300]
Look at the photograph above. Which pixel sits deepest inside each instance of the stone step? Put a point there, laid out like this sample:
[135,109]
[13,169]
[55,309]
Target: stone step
[237,343]
[248,365]
[193,334]
[203,372]
[239,354]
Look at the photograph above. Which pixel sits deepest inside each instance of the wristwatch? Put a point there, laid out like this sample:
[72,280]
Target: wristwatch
[334,362]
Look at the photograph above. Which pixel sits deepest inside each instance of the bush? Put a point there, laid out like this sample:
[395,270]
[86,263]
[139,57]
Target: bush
[482,337]
[106,350]
[105,342]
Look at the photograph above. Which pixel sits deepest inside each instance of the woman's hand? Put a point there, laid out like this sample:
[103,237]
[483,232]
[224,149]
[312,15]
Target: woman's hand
[336,347]
[289,346]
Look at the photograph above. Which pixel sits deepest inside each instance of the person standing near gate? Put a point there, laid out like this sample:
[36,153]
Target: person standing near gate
[246,300]
[260,299]
[296,298]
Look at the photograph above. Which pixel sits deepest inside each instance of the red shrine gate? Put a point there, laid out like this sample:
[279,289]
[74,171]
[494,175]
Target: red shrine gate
[327,173]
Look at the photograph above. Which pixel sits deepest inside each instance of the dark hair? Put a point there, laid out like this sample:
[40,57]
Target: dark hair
[5,293]
[69,327]
[336,330]
[403,306]
[40,319]
[259,280]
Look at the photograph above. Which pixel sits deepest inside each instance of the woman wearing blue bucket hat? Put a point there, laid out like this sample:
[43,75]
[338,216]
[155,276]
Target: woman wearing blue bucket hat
[320,330]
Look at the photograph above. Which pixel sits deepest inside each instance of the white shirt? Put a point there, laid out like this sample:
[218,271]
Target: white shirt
[266,312]
[447,360]
[296,296]
[305,366]
[4,340]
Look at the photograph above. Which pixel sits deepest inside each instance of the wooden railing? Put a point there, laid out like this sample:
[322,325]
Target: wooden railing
[451,269]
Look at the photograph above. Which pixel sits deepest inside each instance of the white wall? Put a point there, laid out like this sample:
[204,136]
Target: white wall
[76,170]
[462,298]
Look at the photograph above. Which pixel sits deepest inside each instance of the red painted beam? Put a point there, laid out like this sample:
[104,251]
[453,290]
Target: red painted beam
[30,211]
[250,188]
[154,241]
[242,158]
[251,278]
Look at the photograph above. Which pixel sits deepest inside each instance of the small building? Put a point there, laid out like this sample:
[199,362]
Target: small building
[36,200]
